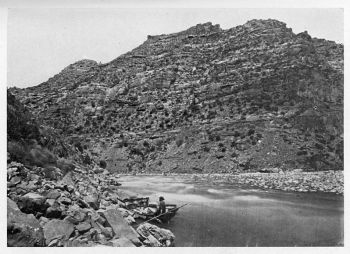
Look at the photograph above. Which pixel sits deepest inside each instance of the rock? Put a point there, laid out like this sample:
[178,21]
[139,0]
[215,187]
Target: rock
[122,242]
[32,203]
[23,230]
[43,220]
[67,180]
[130,219]
[58,229]
[156,235]
[64,200]
[61,186]
[124,212]
[92,201]
[120,226]
[15,180]
[50,202]
[54,211]
[55,243]
[82,203]
[83,227]
[95,216]
[53,194]
[98,170]
[104,203]
[76,214]
[106,231]
[152,241]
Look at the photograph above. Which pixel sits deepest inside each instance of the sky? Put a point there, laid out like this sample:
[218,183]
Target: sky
[41,42]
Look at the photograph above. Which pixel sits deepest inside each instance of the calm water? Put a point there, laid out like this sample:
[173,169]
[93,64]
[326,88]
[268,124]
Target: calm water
[229,215]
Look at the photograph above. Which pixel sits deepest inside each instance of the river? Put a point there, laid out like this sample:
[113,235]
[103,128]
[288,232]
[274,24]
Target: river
[233,215]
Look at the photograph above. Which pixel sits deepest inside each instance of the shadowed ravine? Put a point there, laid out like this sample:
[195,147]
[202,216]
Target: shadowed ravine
[227,215]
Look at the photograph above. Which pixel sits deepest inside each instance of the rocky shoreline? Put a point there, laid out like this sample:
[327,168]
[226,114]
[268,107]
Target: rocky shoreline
[295,180]
[85,207]
[80,209]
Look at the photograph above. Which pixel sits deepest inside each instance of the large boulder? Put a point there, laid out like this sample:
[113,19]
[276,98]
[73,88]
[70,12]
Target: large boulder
[92,201]
[83,227]
[76,214]
[155,236]
[32,203]
[23,230]
[120,226]
[58,229]
[54,211]
[53,194]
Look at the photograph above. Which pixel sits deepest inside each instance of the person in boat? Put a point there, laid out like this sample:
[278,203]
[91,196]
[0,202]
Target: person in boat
[161,207]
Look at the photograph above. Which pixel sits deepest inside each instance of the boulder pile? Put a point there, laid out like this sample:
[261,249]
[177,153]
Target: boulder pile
[80,209]
[296,180]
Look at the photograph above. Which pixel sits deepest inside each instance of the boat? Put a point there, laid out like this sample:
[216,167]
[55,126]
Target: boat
[144,210]
[170,212]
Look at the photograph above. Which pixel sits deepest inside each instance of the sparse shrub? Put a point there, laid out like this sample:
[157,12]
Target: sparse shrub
[17,151]
[206,149]
[79,146]
[65,165]
[146,144]
[103,164]
[52,173]
[211,137]
[251,132]
[86,159]
[179,141]
[41,157]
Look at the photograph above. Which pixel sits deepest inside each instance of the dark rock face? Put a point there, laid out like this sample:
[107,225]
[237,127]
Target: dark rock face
[23,230]
[204,100]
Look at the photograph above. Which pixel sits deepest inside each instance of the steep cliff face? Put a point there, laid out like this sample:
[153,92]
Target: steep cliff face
[204,100]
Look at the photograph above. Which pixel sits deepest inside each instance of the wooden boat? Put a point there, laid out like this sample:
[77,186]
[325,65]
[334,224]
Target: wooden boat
[147,211]
[170,212]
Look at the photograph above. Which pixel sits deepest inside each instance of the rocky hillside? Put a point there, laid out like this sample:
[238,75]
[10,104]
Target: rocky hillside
[204,100]
[53,199]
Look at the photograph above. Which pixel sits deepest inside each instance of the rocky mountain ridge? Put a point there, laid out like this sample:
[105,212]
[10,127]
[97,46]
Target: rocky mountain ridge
[203,100]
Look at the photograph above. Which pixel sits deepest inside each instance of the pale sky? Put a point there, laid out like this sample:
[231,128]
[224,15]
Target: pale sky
[41,42]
